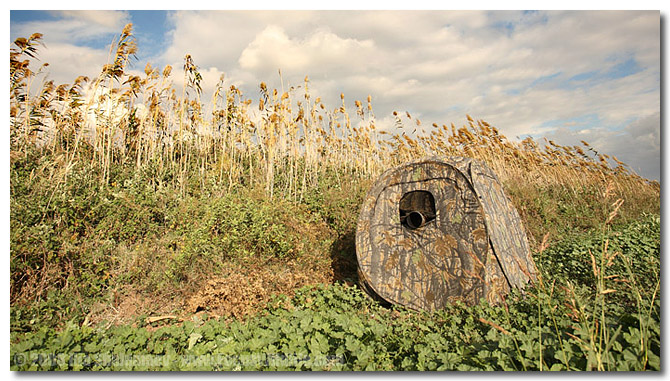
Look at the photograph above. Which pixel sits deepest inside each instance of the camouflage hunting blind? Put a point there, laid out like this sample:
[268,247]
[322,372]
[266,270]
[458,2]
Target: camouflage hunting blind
[438,230]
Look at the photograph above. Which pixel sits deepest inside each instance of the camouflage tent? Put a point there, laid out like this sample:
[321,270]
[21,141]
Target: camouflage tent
[437,230]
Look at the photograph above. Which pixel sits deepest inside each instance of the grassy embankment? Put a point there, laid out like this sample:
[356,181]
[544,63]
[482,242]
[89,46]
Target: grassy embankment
[154,207]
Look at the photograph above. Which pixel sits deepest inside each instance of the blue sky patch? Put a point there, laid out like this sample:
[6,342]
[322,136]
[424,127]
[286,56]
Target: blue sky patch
[28,16]
[150,28]
[546,79]
[623,69]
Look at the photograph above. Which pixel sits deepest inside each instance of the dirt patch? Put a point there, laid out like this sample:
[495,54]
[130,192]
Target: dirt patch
[244,290]
[127,305]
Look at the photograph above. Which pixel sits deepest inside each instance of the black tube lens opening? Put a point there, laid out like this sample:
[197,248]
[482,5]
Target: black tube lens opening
[416,209]
[415,220]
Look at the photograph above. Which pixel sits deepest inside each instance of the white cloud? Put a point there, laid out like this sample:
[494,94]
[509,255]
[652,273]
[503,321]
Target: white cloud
[78,61]
[105,19]
[320,52]
[74,26]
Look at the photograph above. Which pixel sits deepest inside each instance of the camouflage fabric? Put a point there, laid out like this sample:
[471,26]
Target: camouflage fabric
[459,253]
[508,238]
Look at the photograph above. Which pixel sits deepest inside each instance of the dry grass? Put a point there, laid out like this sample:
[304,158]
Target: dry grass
[282,144]
[147,120]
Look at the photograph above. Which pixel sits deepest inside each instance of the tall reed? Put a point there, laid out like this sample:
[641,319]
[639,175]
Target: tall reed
[283,144]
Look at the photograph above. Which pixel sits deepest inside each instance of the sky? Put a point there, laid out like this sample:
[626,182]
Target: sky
[564,75]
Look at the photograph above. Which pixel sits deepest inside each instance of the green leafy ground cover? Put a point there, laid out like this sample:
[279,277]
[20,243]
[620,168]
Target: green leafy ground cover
[596,307]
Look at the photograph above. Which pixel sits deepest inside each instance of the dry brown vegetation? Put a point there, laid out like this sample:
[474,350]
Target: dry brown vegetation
[284,147]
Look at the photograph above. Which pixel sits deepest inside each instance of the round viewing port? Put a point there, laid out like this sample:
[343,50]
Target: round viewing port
[416,209]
